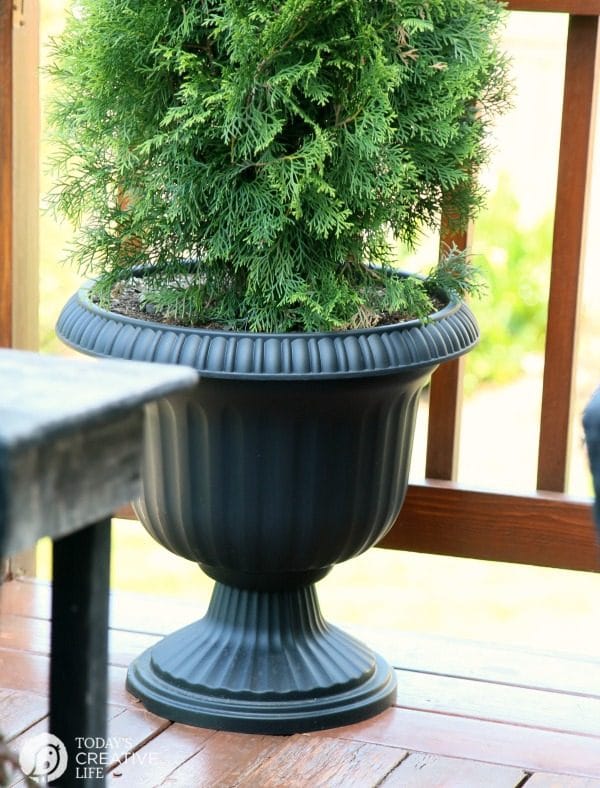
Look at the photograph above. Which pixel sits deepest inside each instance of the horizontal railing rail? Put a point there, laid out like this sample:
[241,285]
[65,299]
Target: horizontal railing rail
[572,7]
[542,528]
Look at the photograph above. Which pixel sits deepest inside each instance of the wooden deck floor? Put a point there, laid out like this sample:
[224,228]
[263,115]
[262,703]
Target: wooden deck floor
[468,714]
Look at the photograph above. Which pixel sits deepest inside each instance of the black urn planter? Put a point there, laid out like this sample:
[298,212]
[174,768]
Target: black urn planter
[291,455]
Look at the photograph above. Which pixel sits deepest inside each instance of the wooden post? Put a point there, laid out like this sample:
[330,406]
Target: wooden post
[568,244]
[19,190]
[25,187]
[6,214]
[19,180]
[445,399]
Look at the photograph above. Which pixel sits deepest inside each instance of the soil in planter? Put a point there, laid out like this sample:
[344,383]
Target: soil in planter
[127,299]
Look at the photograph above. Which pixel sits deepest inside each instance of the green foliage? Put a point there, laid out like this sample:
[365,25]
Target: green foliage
[455,274]
[515,263]
[277,145]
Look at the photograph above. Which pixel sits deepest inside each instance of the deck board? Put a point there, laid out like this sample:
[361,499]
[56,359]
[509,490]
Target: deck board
[468,714]
[445,656]
[421,769]
[541,780]
[224,758]
[20,711]
[480,740]
[153,763]
[305,760]
[486,700]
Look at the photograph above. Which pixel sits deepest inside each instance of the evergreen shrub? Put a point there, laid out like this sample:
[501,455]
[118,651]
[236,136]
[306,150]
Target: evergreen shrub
[260,158]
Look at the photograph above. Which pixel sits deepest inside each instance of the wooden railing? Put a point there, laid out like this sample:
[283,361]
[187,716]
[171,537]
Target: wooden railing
[546,527]
[6,158]
[19,179]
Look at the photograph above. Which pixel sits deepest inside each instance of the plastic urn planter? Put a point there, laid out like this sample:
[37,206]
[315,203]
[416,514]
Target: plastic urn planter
[291,455]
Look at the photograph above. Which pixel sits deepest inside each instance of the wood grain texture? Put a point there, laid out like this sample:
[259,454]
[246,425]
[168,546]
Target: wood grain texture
[147,614]
[153,763]
[60,483]
[26,169]
[569,227]
[323,763]
[543,530]
[482,714]
[431,771]
[71,440]
[26,672]
[224,759]
[19,710]
[541,780]
[445,408]
[445,397]
[24,597]
[409,651]
[24,634]
[6,180]
[492,662]
[129,731]
[479,740]
[503,703]
[43,727]
[29,672]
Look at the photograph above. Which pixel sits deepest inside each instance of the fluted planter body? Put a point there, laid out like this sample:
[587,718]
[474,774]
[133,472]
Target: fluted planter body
[291,455]
[266,483]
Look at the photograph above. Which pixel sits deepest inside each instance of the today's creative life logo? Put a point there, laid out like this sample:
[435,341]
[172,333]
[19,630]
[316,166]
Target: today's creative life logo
[43,758]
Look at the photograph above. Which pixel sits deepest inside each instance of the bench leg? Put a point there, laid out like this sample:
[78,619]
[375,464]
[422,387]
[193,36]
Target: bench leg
[79,649]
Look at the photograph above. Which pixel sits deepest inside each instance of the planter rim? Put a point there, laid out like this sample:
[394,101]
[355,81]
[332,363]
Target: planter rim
[386,349]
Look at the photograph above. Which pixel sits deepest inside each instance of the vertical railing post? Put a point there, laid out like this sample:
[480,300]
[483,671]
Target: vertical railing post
[568,245]
[26,179]
[445,398]
[6,214]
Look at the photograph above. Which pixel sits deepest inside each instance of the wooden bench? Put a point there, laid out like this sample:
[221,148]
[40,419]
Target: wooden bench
[71,435]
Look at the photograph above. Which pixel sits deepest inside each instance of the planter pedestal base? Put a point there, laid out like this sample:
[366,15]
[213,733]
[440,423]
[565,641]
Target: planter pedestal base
[262,662]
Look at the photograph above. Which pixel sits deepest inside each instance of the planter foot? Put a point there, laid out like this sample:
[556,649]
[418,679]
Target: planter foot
[262,662]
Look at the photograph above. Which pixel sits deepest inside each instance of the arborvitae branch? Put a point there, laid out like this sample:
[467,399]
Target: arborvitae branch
[279,146]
